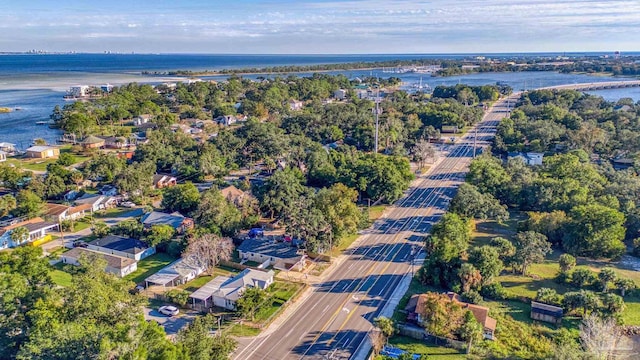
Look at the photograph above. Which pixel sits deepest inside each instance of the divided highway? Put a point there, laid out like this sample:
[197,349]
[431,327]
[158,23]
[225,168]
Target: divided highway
[333,320]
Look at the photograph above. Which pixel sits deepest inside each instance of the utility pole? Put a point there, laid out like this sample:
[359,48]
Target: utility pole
[377,112]
[475,139]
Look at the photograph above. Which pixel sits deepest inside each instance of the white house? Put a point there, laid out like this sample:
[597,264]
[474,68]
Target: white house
[340,94]
[226,120]
[224,291]
[529,158]
[38,229]
[176,273]
[120,266]
[97,202]
[295,105]
[3,156]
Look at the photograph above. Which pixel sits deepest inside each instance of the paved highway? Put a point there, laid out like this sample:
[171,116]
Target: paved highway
[333,321]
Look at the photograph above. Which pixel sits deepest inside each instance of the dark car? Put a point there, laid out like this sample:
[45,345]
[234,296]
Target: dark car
[80,243]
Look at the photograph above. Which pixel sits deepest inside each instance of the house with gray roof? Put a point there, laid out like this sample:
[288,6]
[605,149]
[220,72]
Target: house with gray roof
[120,266]
[122,246]
[176,220]
[176,273]
[224,291]
[97,202]
[280,255]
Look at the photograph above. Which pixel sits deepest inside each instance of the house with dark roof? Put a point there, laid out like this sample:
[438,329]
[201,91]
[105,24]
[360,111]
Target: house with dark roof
[120,266]
[623,163]
[224,291]
[92,142]
[176,220]
[280,255]
[122,246]
[547,313]
[416,307]
[38,229]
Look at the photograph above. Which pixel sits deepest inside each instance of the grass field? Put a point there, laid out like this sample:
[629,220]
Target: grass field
[60,277]
[242,331]
[543,275]
[433,352]
[41,164]
[376,211]
[149,266]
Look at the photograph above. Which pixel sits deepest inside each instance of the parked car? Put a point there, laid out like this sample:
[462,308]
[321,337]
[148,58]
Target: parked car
[169,310]
[80,243]
[128,204]
[136,290]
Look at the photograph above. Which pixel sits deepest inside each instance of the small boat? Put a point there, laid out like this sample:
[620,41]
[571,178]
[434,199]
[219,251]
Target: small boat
[45,122]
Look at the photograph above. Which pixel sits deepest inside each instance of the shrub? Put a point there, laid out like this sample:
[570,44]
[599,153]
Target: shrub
[179,297]
[66,159]
[471,297]
[583,277]
[494,291]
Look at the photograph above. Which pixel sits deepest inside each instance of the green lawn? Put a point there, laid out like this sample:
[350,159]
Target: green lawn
[149,266]
[242,331]
[60,277]
[80,225]
[543,275]
[376,211]
[112,212]
[196,283]
[41,164]
[434,352]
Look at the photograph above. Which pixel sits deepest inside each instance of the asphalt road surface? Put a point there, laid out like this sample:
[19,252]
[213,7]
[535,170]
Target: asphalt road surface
[334,320]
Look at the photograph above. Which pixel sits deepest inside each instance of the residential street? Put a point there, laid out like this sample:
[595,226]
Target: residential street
[336,315]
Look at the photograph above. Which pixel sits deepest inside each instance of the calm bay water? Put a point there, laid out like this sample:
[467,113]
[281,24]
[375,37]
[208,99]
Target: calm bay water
[36,83]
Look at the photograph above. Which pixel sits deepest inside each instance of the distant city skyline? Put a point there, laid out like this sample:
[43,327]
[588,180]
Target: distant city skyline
[320,26]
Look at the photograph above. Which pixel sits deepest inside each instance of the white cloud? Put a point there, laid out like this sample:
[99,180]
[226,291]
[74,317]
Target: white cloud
[350,26]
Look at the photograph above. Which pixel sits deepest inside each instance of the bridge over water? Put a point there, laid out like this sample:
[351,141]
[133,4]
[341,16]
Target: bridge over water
[596,85]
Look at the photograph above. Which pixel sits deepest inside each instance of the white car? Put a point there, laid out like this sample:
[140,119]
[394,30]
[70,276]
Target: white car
[168,310]
[128,204]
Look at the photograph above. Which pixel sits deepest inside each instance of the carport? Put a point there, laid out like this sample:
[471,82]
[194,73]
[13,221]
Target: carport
[206,292]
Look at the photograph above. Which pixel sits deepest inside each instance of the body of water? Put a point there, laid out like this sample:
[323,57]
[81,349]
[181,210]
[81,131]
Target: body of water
[36,83]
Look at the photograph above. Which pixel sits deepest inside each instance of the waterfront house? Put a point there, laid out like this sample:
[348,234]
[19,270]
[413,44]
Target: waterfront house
[8,147]
[79,91]
[176,273]
[268,252]
[120,266]
[547,313]
[116,142]
[3,156]
[224,291]
[42,152]
[92,142]
[176,220]
[122,246]
[38,229]
[162,181]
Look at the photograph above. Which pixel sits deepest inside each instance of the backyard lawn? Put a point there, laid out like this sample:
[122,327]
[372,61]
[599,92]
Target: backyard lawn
[60,277]
[149,266]
[434,352]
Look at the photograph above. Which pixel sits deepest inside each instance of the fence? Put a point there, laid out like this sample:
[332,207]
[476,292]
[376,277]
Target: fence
[421,334]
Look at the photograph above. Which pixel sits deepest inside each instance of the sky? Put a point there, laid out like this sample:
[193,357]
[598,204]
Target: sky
[320,26]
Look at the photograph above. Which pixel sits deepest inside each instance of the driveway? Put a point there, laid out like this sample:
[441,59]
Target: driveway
[171,324]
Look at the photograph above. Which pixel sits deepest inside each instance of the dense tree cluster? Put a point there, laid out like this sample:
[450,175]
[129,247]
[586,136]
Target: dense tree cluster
[94,318]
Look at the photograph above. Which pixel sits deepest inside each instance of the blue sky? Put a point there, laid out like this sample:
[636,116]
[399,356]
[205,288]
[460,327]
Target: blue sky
[320,26]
